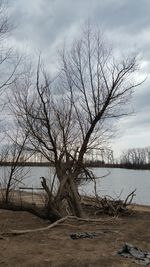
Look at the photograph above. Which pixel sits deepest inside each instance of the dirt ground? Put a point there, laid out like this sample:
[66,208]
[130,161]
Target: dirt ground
[55,248]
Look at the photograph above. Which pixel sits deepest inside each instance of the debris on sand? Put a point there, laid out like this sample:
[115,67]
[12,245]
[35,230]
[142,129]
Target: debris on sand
[91,235]
[137,255]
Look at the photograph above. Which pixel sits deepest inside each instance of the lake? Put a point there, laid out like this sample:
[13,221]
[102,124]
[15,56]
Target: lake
[119,181]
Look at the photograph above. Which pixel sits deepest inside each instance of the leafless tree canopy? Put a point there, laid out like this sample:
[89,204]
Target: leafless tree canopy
[136,158]
[13,174]
[9,60]
[9,63]
[68,116]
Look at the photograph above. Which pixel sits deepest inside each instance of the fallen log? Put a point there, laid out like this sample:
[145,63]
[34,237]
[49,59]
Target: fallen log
[41,212]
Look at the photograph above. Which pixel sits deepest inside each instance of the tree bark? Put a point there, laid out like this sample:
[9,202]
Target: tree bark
[41,212]
[76,199]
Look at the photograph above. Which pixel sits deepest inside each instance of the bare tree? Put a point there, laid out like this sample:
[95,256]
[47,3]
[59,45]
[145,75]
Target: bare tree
[136,158]
[9,60]
[13,173]
[9,64]
[69,116]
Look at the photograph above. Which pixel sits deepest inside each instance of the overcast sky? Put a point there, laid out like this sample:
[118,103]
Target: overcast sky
[42,25]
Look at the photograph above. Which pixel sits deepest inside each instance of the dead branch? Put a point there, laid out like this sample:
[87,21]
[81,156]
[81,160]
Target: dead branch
[108,205]
[38,211]
[21,232]
[131,196]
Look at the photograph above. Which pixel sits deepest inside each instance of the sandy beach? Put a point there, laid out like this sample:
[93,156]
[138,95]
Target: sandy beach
[55,248]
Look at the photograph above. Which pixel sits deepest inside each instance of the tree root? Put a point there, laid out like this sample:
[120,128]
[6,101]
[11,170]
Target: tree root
[21,232]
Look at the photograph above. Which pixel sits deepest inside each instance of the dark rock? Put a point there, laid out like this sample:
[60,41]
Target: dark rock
[84,235]
[138,256]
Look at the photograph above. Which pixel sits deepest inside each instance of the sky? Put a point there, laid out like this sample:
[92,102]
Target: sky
[44,25]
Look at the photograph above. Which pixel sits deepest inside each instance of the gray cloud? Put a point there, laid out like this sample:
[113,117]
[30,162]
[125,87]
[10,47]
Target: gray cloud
[44,21]
[129,16]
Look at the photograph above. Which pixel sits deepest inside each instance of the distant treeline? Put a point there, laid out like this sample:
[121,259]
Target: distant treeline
[135,158]
[92,164]
[134,166]
[119,165]
[27,163]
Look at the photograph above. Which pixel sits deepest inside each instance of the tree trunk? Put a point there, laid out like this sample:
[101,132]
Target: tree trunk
[41,212]
[75,199]
[50,205]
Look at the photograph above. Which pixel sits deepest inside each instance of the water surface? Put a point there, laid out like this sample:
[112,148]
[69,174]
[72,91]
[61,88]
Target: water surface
[119,181]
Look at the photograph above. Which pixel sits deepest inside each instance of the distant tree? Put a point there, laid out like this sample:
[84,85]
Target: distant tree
[136,158]
[13,174]
[69,116]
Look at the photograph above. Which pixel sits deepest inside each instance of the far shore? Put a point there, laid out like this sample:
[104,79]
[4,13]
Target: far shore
[91,164]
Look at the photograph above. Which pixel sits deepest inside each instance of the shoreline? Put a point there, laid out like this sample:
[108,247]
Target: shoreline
[89,165]
[37,197]
[140,207]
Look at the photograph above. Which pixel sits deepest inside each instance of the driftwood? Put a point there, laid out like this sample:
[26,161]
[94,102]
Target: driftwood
[108,205]
[24,206]
[94,205]
[21,232]
[99,205]
[40,210]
